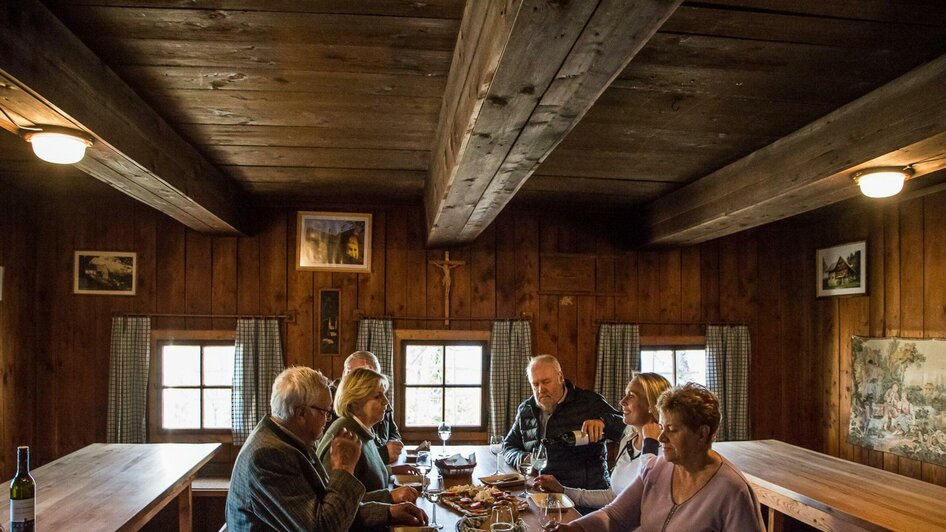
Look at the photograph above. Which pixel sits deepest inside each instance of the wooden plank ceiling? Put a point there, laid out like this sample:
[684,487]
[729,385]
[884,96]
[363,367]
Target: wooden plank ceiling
[313,103]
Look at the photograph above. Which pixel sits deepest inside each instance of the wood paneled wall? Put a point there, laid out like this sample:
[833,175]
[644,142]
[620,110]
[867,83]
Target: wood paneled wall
[801,373]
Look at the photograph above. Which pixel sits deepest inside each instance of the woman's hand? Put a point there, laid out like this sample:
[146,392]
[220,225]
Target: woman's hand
[651,430]
[547,483]
[404,469]
[403,494]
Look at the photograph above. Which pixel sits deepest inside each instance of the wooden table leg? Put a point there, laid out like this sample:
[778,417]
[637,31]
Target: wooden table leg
[184,510]
[776,521]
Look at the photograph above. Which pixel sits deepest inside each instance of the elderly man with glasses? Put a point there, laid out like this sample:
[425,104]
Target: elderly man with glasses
[278,484]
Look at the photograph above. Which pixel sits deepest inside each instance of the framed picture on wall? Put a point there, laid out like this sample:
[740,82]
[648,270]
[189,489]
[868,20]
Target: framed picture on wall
[334,241]
[110,273]
[842,270]
[329,332]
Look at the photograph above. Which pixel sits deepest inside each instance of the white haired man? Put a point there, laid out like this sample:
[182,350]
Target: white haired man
[278,484]
[557,406]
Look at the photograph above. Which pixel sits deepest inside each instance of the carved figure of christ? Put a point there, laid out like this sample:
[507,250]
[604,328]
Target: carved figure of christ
[445,266]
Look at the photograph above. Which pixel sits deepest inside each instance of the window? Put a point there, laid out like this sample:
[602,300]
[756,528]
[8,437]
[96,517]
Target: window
[192,384]
[442,376]
[678,365]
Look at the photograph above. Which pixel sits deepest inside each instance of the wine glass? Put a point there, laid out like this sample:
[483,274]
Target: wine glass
[444,431]
[540,458]
[551,512]
[432,493]
[423,462]
[524,468]
[496,447]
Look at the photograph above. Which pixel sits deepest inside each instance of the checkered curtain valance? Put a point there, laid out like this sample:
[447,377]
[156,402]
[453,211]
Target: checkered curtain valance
[257,362]
[510,350]
[377,336]
[129,358]
[619,356]
[727,374]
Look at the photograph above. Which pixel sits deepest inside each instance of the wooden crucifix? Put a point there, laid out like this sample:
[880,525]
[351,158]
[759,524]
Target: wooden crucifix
[445,266]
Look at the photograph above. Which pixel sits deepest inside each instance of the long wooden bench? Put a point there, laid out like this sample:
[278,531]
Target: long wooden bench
[829,493]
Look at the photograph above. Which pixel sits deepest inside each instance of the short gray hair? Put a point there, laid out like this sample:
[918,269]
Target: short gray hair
[362,355]
[544,359]
[294,388]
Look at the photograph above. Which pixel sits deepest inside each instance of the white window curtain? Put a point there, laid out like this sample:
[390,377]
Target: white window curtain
[377,336]
[258,361]
[510,349]
[619,356]
[727,373]
[129,357]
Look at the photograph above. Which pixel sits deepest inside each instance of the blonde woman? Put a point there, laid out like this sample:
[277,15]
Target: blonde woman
[638,447]
[360,403]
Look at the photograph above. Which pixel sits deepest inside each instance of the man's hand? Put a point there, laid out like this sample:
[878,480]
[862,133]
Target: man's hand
[651,430]
[404,469]
[394,450]
[404,494]
[548,483]
[345,451]
[594,428]
[406,513]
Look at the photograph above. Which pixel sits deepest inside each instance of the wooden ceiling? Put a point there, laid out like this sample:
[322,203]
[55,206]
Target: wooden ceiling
[701,119]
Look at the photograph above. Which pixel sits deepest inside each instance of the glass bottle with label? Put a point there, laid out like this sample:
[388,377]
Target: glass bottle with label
[22,494]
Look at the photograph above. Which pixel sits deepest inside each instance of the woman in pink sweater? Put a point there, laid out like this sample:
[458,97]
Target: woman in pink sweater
[691,487]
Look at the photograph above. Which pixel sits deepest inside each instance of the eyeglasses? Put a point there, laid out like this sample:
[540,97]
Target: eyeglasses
[324,411]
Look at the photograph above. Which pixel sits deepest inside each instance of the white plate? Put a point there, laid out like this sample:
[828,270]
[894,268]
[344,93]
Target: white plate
[539,499]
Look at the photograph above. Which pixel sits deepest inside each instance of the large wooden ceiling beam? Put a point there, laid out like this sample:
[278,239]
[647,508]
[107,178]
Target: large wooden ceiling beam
[524,73]
[901,123]
[48,76]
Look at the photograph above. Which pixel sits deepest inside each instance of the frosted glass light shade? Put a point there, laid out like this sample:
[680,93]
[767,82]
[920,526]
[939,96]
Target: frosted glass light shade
[60,147]
[882,182]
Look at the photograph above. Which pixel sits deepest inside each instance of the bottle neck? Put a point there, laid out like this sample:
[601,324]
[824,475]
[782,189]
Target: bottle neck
[22,460]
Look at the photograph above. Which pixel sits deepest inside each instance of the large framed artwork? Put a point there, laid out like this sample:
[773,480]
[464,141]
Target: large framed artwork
[898,397]
[842,270]
[329,309]
[105,273]
[334,241]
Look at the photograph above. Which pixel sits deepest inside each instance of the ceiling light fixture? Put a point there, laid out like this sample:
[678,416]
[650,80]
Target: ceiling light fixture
[60,145]
[882,181]
[55,144]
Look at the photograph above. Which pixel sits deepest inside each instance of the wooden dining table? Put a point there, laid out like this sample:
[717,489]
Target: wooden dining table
[485,466]
[109,486]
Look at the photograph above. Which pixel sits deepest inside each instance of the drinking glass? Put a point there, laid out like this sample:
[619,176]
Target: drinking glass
[540,458]
[432,493]
[496,447]
[524,468]
[423,462]
[551,512]
[444,431]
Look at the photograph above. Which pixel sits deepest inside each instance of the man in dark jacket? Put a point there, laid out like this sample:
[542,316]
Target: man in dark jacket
[556,407]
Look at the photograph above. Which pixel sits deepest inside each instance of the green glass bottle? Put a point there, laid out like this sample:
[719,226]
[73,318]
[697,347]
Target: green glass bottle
[22,494]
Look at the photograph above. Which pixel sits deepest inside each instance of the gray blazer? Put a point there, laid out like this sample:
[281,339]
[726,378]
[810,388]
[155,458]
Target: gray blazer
[278,485]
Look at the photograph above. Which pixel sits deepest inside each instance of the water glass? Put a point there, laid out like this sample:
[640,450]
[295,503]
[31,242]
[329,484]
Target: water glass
[524,468]
[501,513]
[432,493]
[496,447]
[444,431]
[551,512]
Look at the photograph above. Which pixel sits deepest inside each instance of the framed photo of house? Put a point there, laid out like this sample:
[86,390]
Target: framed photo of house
[329,333]
[842,269]
[109,273]
[334,241]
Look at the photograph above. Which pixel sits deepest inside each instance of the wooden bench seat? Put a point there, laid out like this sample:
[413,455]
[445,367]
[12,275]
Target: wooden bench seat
[210,486]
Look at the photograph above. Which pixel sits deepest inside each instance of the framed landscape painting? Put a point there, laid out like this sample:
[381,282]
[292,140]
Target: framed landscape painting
[111,273]
[334,241]
[842,270]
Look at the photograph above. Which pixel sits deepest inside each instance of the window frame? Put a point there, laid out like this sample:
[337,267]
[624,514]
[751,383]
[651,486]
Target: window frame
[672,343]
[156,433]
[455,337]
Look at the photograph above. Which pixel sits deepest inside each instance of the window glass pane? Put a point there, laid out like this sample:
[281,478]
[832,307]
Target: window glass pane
[464,365]
[180,365]
[424,364]
[658,361]
[217,408]
[180,408]
[218,365]
[423,407]
[463,406]
[691,366]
